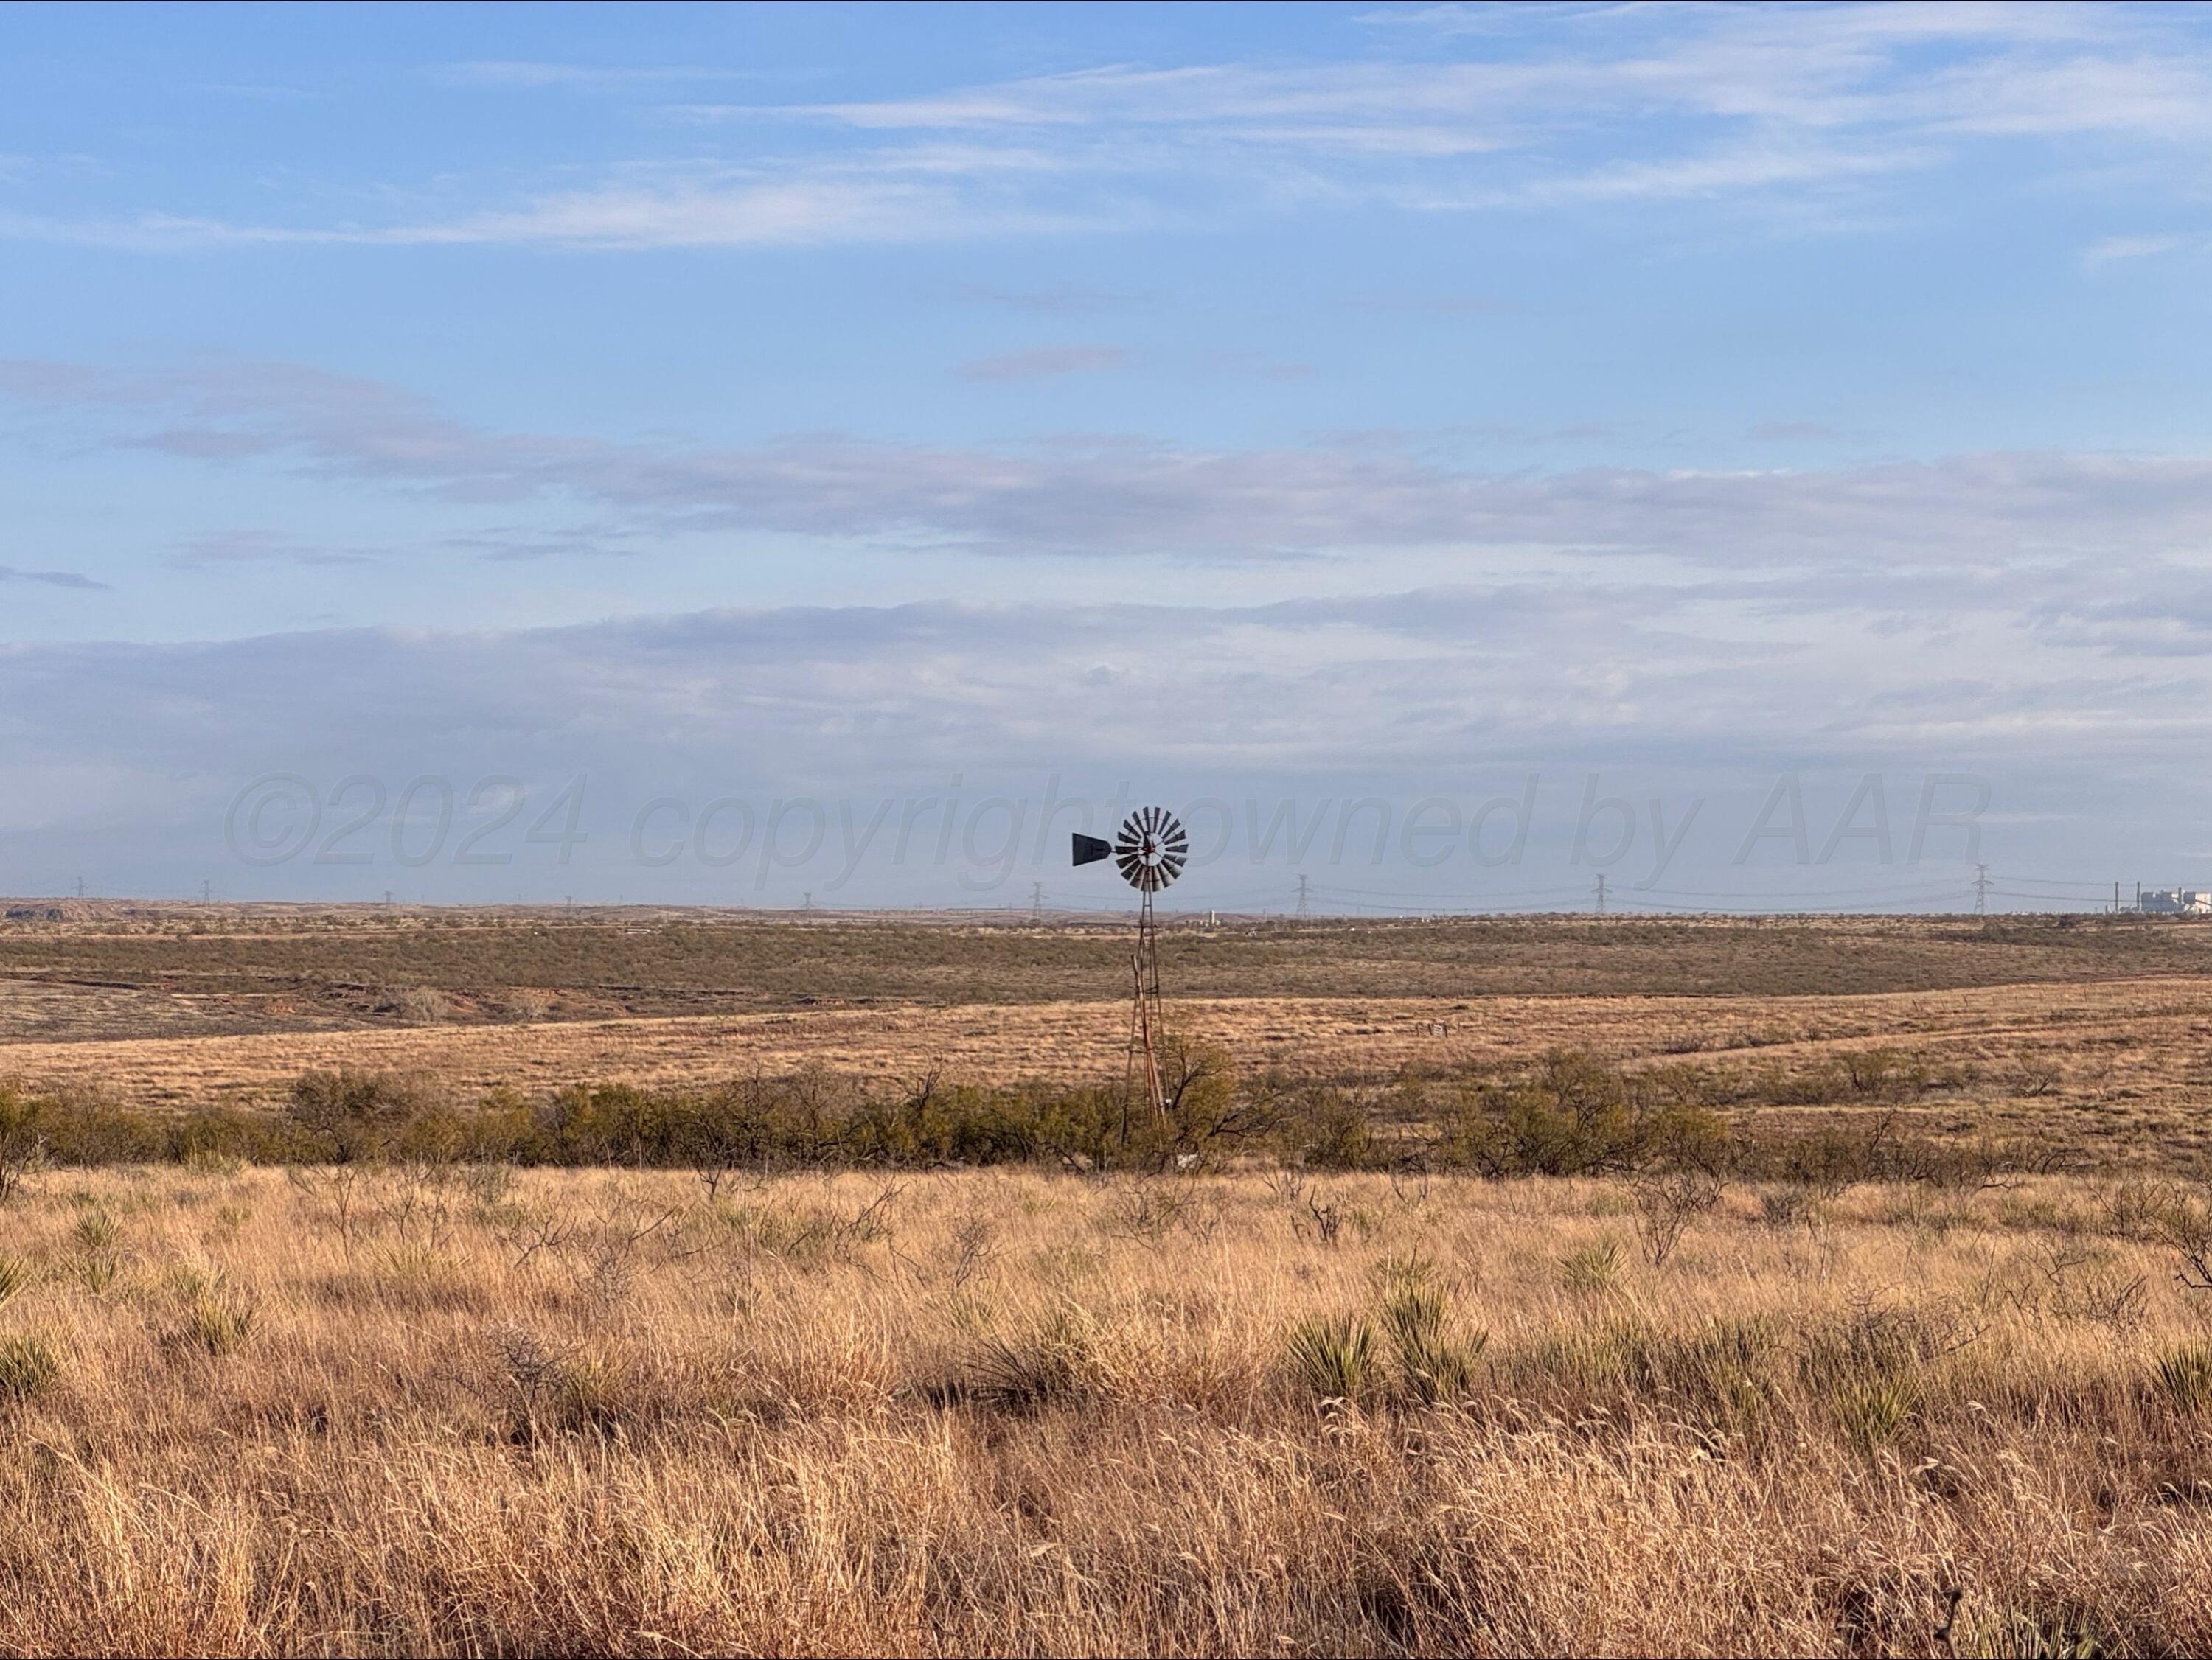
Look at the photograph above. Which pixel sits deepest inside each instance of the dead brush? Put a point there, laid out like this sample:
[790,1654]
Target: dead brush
[2183,1224]
[971,1247]
[2080,1287]
[1667,1202]
[1146,1212]
[2137,1209]
[1327,1219]
[1794,1204]
[553,1392]
[1871,1363]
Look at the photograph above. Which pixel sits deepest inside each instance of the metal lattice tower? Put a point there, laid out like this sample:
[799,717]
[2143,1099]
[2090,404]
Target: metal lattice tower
[1150,850]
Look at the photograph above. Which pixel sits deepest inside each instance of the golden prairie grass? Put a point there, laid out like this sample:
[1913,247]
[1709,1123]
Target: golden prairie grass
[2106,1071]
[369,1411]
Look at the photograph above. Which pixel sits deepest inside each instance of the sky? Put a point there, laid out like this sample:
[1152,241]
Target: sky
[1756,455]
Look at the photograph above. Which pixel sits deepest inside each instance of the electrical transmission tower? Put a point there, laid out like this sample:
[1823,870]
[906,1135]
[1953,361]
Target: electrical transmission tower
[1037,902]
[1305,901]
[1981,890]
[1600,893]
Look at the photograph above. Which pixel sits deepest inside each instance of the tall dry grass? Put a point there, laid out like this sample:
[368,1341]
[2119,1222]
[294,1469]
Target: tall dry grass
[995,1413]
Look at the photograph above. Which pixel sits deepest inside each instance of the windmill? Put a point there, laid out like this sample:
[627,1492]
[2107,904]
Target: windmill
[1151,851]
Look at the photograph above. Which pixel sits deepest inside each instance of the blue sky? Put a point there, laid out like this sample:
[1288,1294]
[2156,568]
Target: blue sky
[1302,404]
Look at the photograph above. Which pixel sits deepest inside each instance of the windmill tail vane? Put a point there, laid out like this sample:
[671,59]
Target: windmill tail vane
[1151,851]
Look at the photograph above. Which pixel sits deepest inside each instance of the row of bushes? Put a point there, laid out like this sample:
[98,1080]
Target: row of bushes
[1572,1115]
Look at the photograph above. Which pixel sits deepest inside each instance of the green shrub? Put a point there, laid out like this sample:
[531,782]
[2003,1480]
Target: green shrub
[1579,1116]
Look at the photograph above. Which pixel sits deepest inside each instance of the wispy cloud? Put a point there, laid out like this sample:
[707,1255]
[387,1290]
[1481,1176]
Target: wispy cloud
[1810,111]
[1045,362]
[2113,249]
[1118,497]
[247,547]
[51,579]
[533,75]
[1058,299]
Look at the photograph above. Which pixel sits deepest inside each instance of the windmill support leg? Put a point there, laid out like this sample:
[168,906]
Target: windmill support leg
[1145,1012]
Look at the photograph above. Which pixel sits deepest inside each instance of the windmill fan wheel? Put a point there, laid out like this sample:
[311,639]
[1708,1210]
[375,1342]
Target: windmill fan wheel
[1151,849]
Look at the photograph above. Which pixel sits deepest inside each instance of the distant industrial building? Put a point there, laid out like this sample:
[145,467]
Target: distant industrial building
[2179,901]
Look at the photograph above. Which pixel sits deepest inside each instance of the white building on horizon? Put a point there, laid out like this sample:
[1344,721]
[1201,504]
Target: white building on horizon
[2178,901]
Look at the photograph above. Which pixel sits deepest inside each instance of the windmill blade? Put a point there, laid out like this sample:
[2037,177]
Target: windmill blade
[1088,850]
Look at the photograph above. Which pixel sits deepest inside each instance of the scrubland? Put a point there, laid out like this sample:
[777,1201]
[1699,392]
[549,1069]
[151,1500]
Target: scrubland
[415,1407]
[516,1285]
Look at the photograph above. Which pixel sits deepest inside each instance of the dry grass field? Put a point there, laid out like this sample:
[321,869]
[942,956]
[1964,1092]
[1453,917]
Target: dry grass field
[413,1411]
[407,1406]
[2090,1033]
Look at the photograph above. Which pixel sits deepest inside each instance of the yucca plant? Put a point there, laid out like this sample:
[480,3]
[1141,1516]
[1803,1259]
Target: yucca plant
[1333,1357]
[96,1273]
[1048,1361]
[15,1274]
[28,1365]
[1871,1410]
[1591,1268]
[2185,1375]
[219,1324]
[1434,1362]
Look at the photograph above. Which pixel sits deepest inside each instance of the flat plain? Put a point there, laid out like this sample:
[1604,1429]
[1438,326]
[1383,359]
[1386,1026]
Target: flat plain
[406,1405]
[2089,1033]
